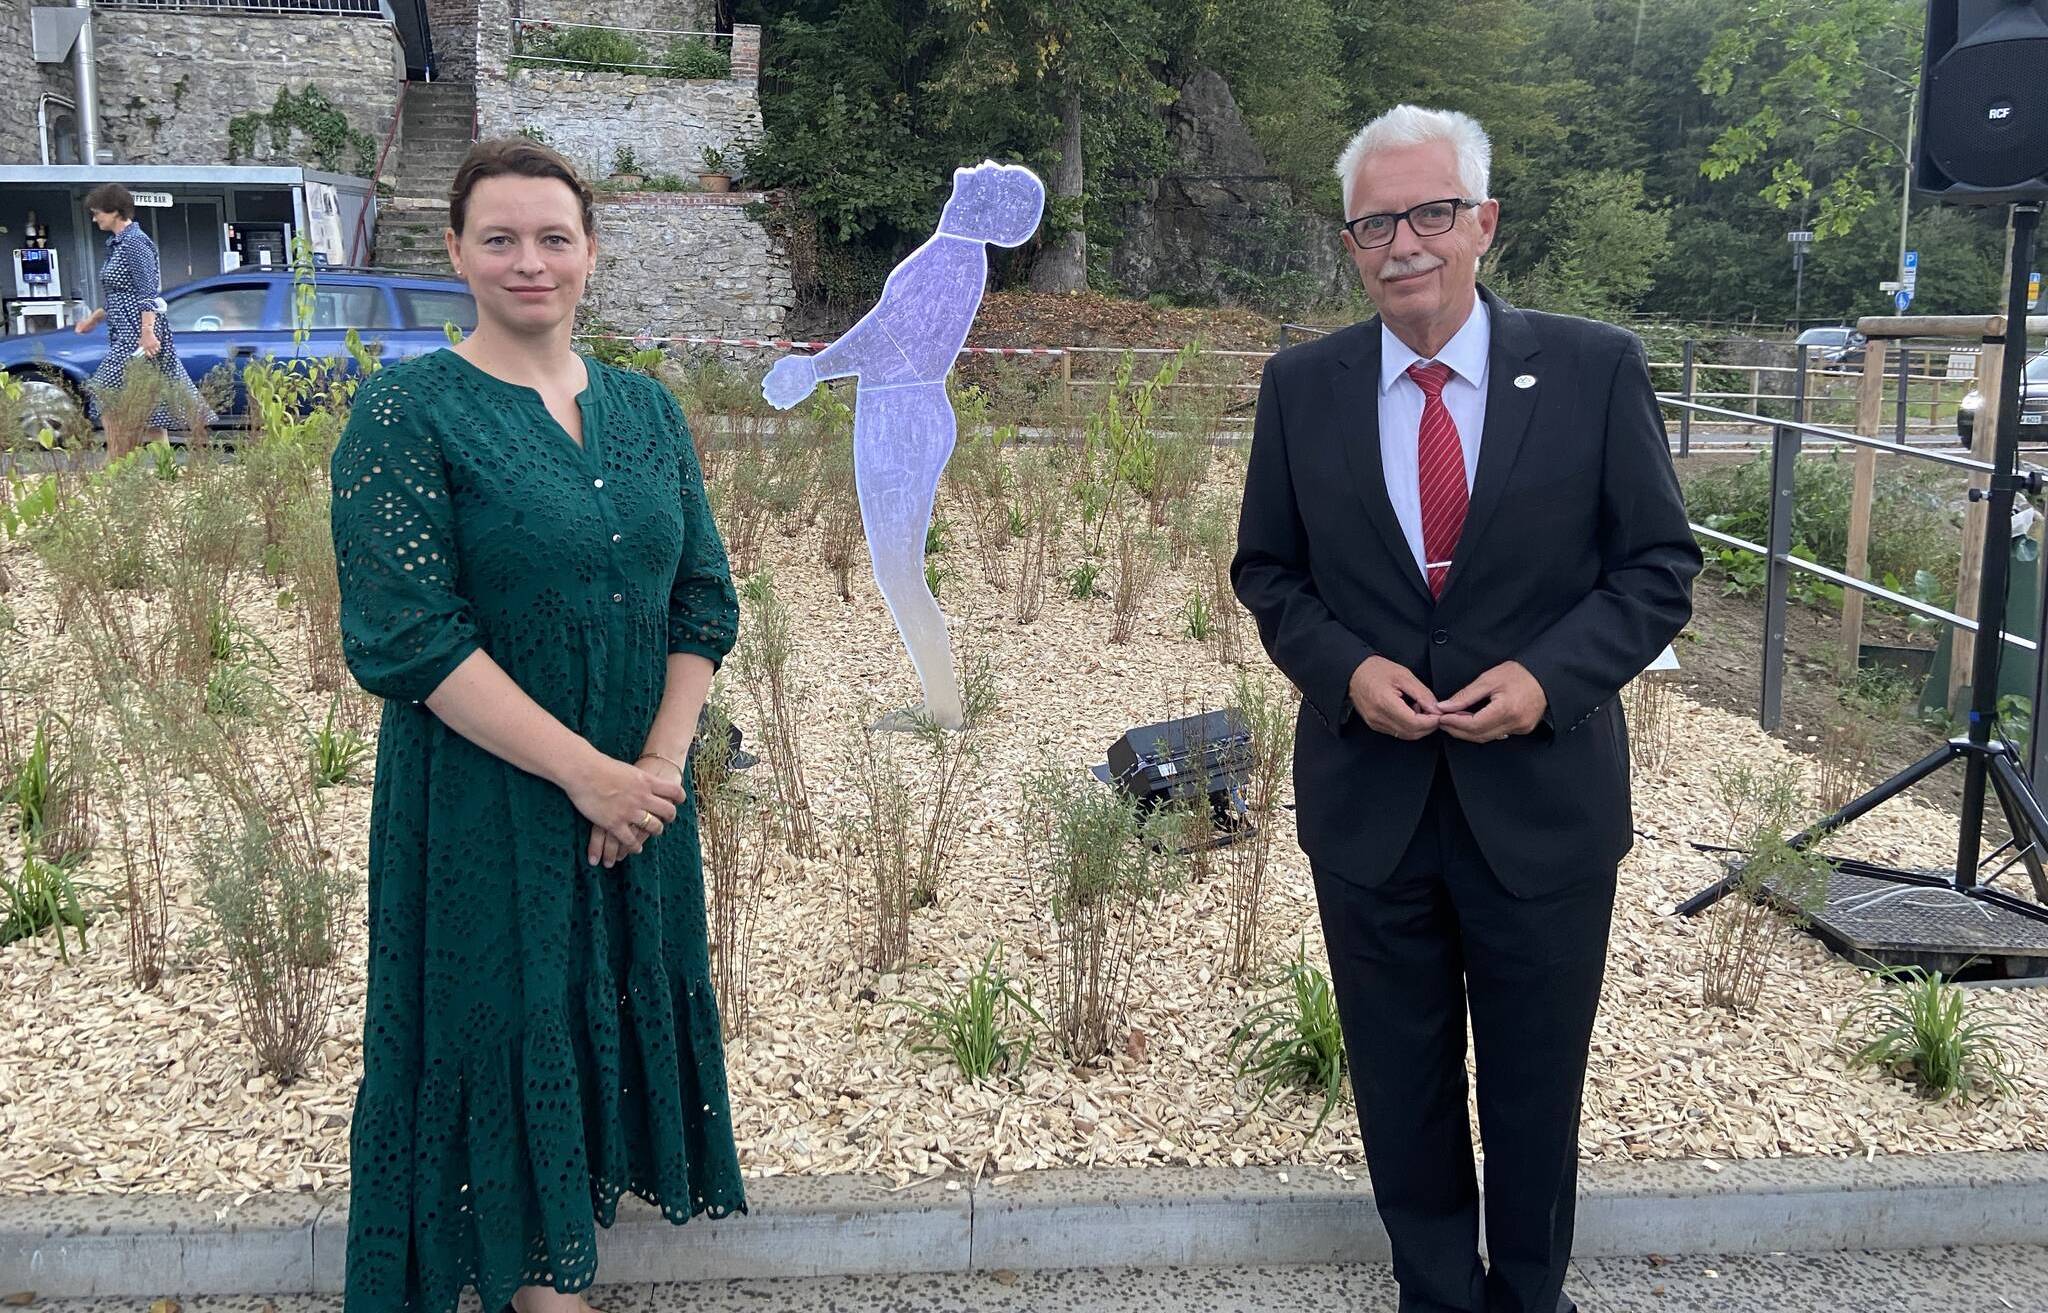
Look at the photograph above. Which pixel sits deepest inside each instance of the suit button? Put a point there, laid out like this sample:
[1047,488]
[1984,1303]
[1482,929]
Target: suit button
[1440,637]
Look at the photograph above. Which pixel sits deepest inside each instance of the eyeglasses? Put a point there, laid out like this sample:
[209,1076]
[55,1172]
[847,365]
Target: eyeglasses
[1429,219]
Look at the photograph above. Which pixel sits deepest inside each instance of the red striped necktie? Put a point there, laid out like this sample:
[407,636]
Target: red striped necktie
[1440,467]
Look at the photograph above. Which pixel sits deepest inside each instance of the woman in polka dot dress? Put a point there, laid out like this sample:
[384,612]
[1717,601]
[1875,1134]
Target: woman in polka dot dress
[137,329]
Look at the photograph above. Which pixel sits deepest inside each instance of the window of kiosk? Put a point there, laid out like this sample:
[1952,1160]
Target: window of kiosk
[219,310]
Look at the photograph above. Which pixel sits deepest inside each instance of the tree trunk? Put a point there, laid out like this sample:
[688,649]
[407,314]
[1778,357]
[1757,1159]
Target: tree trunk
[1063,265]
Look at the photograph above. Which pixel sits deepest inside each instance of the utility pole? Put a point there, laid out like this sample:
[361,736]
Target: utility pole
[1906,181]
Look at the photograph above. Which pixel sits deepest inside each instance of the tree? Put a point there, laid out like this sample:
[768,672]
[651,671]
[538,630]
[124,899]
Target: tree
[1605,242]
[1067,61]
[1830,86]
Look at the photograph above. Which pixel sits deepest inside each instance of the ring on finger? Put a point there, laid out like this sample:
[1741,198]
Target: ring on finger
[646,820]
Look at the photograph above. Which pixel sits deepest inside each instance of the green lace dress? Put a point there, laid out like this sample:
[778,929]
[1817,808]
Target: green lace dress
[540,1034]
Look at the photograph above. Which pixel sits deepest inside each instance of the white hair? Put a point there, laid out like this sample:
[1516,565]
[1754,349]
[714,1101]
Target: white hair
[1412,125]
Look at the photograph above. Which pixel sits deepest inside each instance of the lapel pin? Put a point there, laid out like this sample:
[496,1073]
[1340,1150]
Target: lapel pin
[1525,380]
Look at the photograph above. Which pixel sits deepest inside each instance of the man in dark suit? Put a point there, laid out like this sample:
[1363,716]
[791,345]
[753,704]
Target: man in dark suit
[1461,536]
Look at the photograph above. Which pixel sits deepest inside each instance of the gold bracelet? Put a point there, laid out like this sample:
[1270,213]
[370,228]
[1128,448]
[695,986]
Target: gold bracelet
[681,770]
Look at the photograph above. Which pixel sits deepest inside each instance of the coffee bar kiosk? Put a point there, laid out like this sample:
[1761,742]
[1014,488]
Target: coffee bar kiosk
[204,221]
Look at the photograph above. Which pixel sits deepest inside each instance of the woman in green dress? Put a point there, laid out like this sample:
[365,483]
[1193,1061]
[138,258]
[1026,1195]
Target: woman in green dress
[532,581]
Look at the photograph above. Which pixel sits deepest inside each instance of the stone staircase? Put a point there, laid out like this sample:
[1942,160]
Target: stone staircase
[434,133]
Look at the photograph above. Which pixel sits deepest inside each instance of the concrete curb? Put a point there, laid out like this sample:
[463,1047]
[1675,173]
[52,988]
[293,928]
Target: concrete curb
[1136,1217]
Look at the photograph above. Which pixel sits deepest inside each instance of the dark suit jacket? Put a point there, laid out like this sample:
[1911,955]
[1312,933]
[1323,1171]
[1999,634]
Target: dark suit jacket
[1575,560]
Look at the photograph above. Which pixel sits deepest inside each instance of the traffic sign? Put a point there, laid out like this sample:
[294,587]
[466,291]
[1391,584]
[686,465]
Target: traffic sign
[1902,298]
[1909,269]
[2033,289]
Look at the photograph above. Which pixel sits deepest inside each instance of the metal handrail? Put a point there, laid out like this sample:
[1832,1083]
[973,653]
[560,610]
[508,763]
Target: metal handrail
[521,24]
[1833,435]
[1865,587]
[355,245]
[344,8]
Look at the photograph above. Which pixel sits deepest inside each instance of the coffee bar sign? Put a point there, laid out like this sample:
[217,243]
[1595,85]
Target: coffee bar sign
[155,200]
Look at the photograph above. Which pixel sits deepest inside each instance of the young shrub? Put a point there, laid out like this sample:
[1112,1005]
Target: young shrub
[767,642]
[1920,1029]
[1268,713]
[1745,930]
[839,523]
[1097,868]
[275,902]
[1756,801]
[1035,520]
[733,879]
[1293,1037]
[954,758]
[883,841]
[143,829]
[1844,759]
[1647,709]
[315,591]
[1213,531]
[1137,570]
[741,501]
[984,1027]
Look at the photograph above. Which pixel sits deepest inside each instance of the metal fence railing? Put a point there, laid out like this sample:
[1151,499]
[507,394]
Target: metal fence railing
[346,8]
[537,41]
[1787,436]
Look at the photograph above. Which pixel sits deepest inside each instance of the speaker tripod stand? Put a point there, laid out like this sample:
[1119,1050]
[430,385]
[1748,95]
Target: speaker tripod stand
[1989,767]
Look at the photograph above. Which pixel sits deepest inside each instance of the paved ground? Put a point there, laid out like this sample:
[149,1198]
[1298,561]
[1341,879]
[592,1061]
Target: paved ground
[1991,1280]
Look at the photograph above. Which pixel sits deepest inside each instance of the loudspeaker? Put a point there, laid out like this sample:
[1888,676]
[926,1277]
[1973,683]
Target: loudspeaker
[1983,136]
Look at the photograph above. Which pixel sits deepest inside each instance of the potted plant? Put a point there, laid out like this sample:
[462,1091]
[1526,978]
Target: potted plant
[715,175]
[627,171]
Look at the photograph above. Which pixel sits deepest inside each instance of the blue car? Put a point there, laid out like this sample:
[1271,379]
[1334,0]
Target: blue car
[233,318]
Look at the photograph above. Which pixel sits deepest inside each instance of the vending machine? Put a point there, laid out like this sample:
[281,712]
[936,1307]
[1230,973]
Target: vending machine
[38,303]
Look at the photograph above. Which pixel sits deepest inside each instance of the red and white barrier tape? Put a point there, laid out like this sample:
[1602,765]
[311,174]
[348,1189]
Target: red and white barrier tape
[788,344]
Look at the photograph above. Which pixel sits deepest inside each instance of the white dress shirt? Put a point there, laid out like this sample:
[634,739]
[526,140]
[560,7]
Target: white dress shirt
[1401,414]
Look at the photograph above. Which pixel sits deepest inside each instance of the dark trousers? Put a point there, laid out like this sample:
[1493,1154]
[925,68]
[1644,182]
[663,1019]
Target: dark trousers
[1407,958]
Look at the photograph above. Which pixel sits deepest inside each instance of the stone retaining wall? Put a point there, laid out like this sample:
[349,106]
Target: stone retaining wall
[666,122]
[169,83]
[677,263]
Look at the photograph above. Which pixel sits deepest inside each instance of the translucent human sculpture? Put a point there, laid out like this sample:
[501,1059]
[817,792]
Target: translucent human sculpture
[903,427]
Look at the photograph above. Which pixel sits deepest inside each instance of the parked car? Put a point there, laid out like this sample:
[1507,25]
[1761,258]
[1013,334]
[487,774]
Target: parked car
[1836,345]
[233,318]
[2033,404]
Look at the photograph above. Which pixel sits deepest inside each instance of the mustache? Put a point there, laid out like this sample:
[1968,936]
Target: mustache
[1421,264]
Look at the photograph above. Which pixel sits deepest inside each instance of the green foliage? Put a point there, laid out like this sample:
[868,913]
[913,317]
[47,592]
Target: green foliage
[236,690]
[601,50]
[1912,532]
[1294,1037]
[43,895]
[1082,581]
[593,49]
[332,143]
[1605,241]
[1825,85]
[976,1026]
[694,57]
[1920,1028]
[335,751]
[1195,611]
[1097,866]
